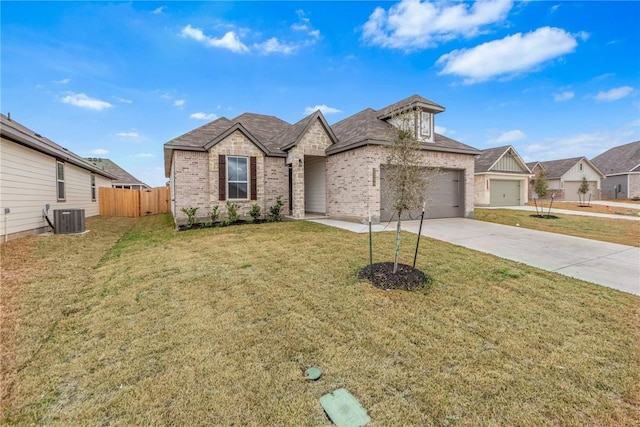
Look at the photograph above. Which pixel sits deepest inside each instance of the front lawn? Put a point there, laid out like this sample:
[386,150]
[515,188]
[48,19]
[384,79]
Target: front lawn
[621,231]
[137,324]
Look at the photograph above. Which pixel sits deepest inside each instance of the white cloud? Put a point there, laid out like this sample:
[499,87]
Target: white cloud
[273,45]
[614,94]
[83,101]
[563,96]
[582,144]
[442,130]
[415,24]
[158,10]
[128,134]
[203,116]
[143,155]
[323,108]
[179,103]
[229,41]
[62,82]
[123,100]
[511,55]
[508,137]
[99,152]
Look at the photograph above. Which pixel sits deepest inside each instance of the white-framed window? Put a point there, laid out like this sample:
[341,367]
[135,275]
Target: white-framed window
[425,125]
[93,187]
[60,181]
[237,178]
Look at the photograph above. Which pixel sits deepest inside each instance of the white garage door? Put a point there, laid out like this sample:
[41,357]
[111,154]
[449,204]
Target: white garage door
[445,197]
[571,190]
[504,192]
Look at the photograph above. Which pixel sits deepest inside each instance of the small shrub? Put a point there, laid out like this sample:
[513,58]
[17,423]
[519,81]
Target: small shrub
[191,215]
[232,212]
[275,211]
[255,212]
[214,214]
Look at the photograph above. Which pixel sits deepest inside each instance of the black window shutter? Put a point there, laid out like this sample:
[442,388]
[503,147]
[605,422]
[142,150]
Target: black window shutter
[252,176]
[222,177]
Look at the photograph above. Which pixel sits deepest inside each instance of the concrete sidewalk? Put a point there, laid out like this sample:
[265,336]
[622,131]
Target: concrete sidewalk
[608,264]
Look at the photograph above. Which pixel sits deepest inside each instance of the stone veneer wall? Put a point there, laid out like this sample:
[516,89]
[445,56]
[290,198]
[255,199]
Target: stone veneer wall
[190,182]
[313,143]
[353,180]
[236,144]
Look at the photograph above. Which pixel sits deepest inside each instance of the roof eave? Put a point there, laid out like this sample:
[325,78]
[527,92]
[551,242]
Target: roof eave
[21,138]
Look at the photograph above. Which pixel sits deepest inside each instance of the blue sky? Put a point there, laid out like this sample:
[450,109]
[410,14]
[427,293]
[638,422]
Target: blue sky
[555,79]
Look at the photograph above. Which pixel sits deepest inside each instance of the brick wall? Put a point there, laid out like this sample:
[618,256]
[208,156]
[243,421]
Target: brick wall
[276,183]
[353,180]
[236,144]
[191,180]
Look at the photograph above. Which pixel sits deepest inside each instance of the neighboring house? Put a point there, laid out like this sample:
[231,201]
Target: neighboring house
[37,174]
[313,167]
[123,178]
[621,166]
[565,178]
[501,178]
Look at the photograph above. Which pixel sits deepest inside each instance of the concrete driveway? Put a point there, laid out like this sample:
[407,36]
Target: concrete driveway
[608,264]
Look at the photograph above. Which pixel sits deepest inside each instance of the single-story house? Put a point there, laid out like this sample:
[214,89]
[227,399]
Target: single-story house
[621,166]
[501,178]
[123,178]
[565,178]
[313,167]
[36,176]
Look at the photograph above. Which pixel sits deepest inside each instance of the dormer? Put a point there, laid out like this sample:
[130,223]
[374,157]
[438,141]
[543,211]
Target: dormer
[415,114]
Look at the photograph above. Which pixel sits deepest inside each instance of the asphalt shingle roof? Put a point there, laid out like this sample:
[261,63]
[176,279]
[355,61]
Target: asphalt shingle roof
[556,168]
[618,160]
[490,156]
[123,177]
[277,136]
[12,130]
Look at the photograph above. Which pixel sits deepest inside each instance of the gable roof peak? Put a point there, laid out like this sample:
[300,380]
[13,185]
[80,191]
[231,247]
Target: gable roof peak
[409,104]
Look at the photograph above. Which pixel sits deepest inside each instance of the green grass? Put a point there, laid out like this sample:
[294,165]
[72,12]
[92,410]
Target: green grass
[621,231]
[217,327]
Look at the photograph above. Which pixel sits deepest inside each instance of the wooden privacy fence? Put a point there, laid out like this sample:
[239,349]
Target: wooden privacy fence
[134,203]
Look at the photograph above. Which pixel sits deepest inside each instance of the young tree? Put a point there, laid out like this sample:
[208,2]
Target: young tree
[583,190]
[541,184]
[541,187]
[405,174]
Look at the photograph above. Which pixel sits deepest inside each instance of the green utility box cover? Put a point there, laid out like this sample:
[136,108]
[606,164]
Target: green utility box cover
[343,409]
[313,373]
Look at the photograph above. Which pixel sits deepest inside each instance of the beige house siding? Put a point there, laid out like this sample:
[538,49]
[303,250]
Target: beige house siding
[482,187]
[313,143]
[353,180]
[28,183]
[634,185]
[191,175]
[237,145]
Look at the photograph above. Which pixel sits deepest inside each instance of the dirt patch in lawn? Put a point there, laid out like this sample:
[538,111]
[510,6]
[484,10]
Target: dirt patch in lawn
[407,277]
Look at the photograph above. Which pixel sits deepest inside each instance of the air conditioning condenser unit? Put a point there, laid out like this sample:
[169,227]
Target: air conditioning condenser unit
[69,221]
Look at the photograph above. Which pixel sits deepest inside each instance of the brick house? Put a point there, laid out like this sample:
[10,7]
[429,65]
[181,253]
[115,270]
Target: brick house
[315,168]
[502,178]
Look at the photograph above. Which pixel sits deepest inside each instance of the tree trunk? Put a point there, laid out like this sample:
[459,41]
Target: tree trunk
[397,250]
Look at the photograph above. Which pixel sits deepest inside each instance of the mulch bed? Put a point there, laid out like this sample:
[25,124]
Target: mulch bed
[544,216]
[407,277]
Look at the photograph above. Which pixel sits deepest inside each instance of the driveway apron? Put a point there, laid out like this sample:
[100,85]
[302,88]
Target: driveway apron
[608,264]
